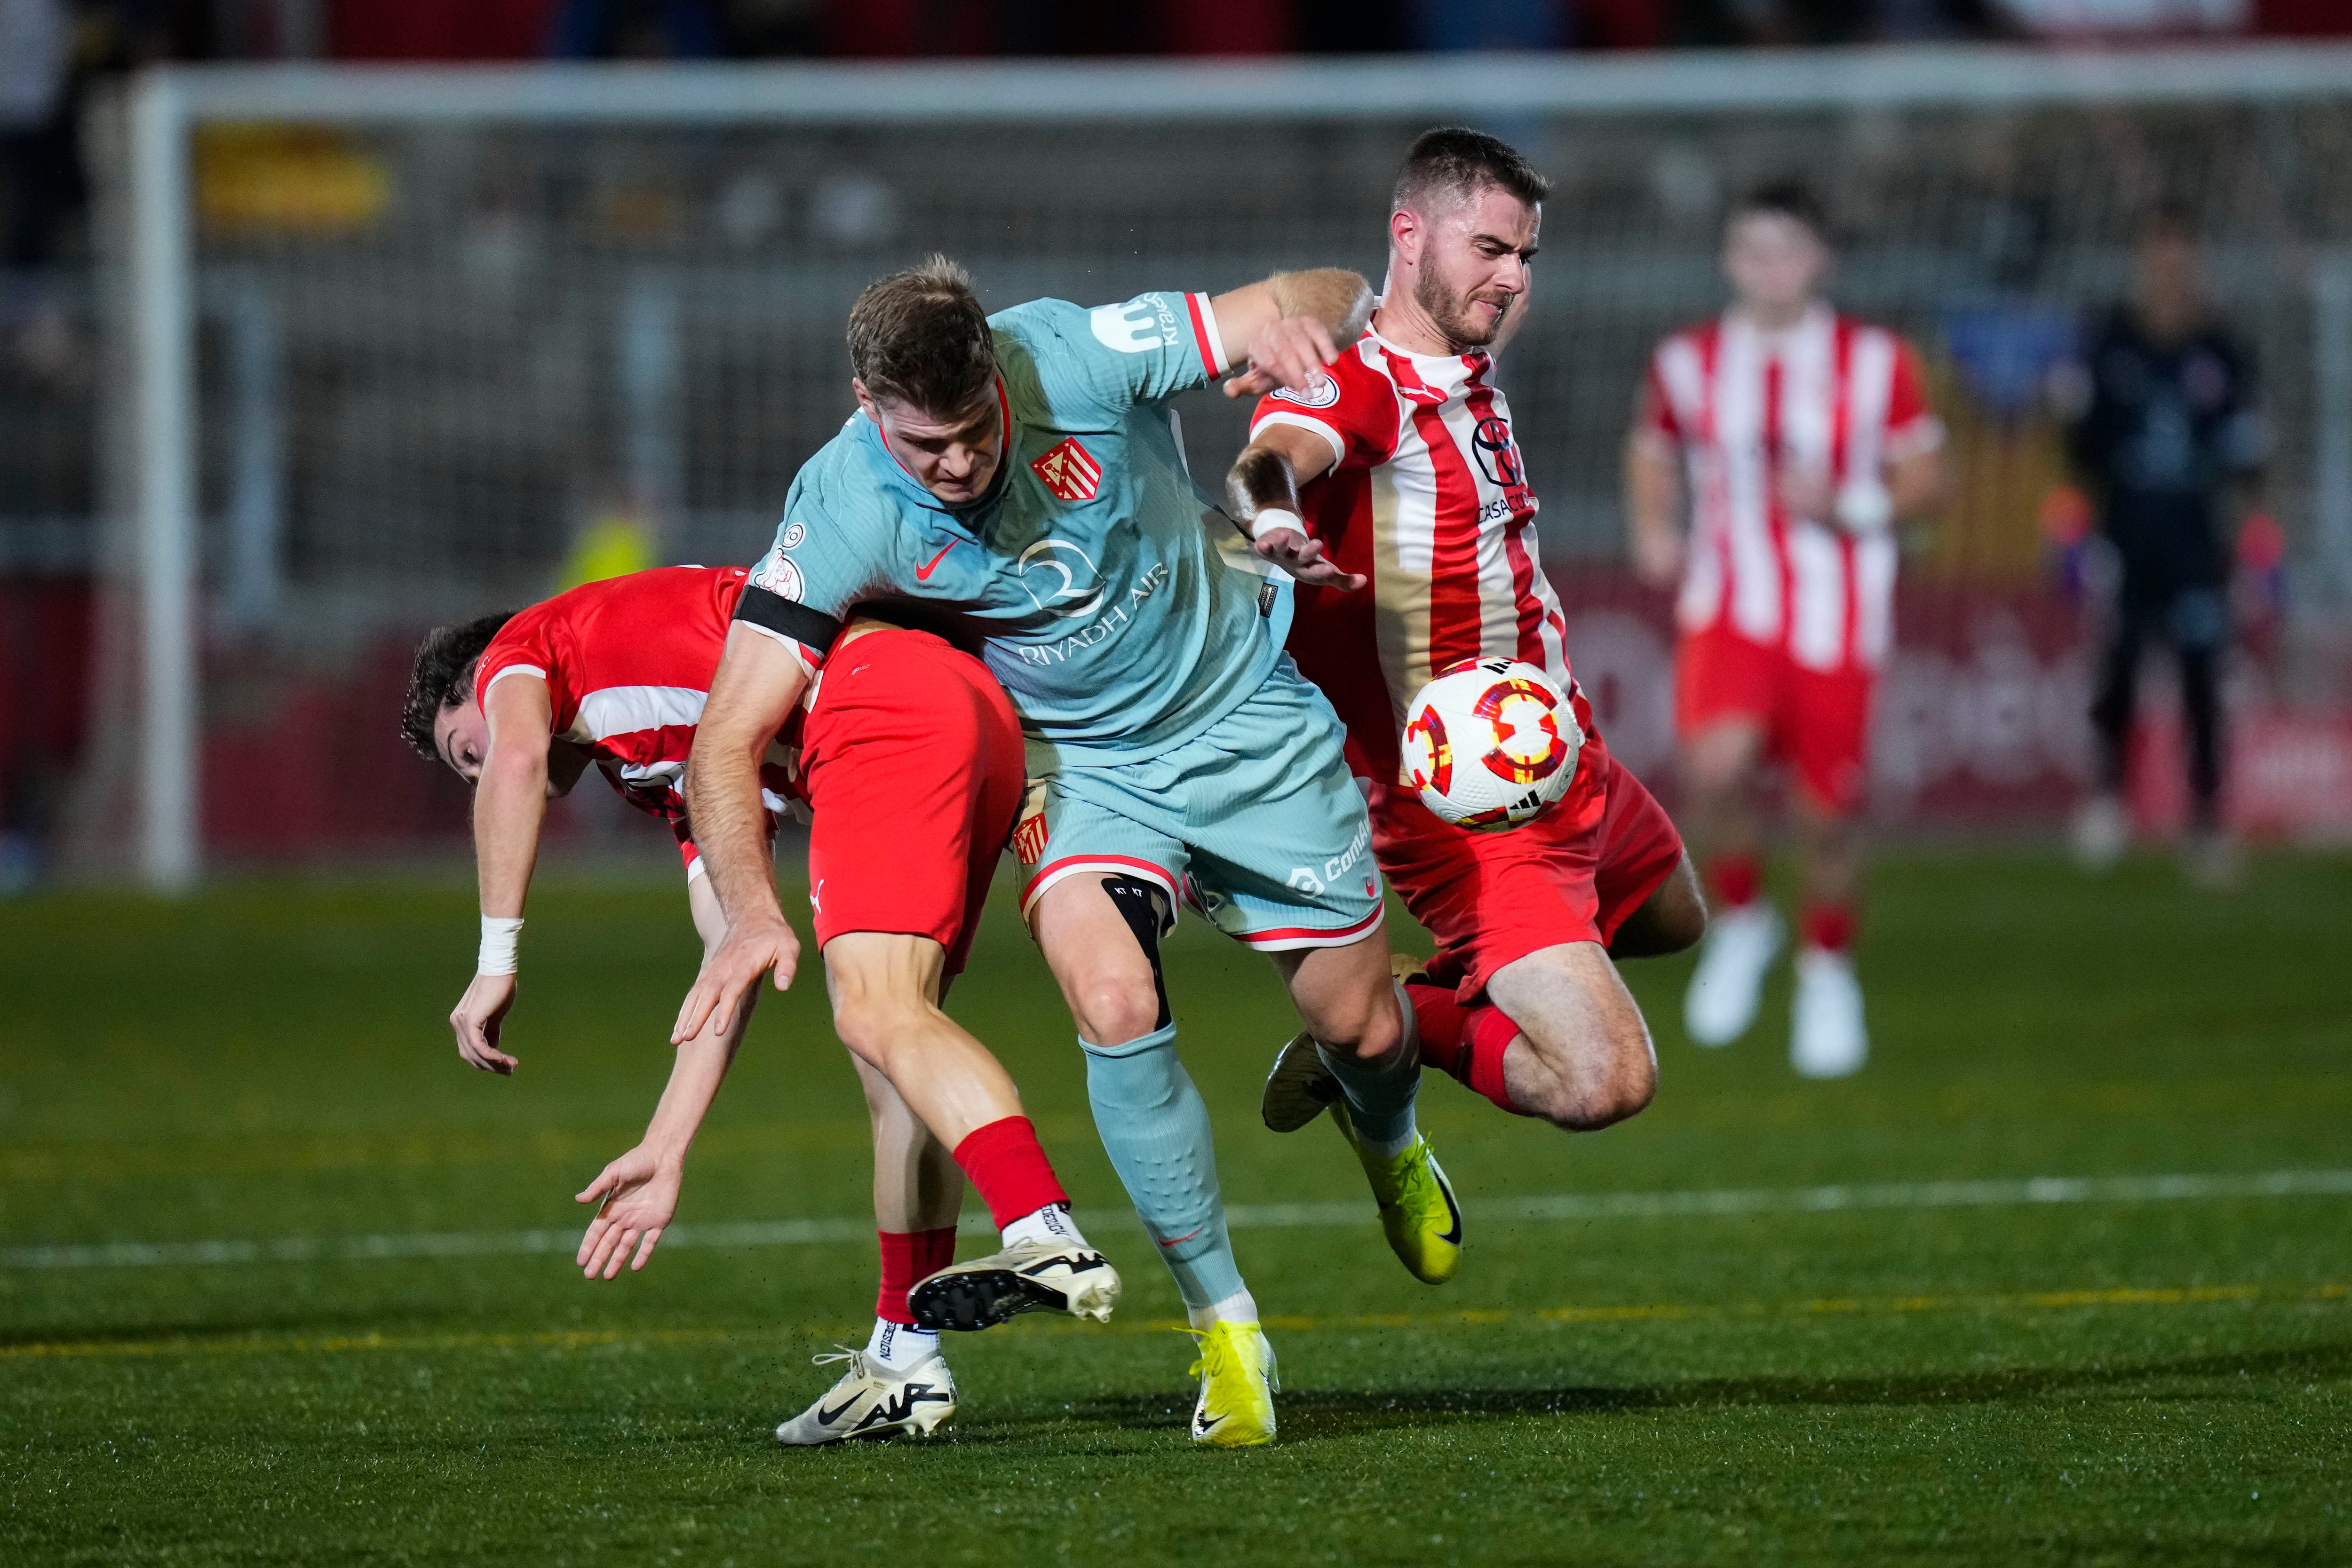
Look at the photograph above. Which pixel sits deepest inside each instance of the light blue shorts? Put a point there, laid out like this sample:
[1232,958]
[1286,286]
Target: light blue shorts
[1257,822]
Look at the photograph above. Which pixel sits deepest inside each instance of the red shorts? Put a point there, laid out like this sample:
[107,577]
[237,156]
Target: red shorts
[1816,721]
[1573,874]
[915,774]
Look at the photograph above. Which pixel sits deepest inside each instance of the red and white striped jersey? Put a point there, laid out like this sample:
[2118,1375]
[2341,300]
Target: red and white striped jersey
[627,664]
[1832,396]
[1429,497]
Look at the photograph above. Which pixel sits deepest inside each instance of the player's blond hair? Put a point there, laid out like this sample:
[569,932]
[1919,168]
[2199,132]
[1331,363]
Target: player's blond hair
[920,337]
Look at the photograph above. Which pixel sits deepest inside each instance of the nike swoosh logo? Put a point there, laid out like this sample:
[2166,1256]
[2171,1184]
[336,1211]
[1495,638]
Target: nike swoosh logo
[923,572]
[825,1418]
[1452,1236]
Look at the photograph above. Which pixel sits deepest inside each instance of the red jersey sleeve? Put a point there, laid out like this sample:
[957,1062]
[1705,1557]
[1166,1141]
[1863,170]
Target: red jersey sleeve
[1654,409]
[1911,426]
[525,646]
[1353,408]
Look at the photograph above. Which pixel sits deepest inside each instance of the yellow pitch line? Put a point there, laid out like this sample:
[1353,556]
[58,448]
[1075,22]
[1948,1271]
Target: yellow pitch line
[591,1339]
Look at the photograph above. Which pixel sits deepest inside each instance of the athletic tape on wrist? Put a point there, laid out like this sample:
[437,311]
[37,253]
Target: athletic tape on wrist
[1274,518]
[498,942]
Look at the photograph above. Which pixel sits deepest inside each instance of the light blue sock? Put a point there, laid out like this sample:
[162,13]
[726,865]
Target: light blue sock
[1155,1127]
[1379,1101]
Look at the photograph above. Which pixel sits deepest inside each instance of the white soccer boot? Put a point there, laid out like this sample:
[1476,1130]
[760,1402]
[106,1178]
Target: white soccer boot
[875,1400]
[1026,1277]
[1739,949]
[1826,1036]
[2100,832]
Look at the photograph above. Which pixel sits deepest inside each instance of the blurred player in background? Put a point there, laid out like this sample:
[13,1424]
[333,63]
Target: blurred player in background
[1398,466]
[1019,470]
[2166,437]
[1795,437]
[911,766]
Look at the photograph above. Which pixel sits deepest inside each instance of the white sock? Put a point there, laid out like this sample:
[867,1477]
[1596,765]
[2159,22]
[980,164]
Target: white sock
[1051,1225]
[901,1345]
[1391,1148]
[1238,1308]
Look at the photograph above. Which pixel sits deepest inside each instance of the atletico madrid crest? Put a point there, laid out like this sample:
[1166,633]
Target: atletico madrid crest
[1029,838]
[1069,471]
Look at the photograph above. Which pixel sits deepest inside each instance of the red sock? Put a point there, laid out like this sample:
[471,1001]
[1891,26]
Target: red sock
[1489,1034]
[908,1257]
[1828,927]
[1441,1021]
[1737,880]
[1009,1169]
[1466,1043]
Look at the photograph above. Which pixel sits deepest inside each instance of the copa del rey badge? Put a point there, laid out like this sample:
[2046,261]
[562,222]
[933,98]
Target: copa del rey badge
[1069,471]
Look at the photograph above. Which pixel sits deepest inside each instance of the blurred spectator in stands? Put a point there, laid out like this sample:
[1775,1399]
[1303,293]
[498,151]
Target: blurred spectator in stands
[1449,25]
[1787,22]
[634,30]
[36,131]
[2168,439]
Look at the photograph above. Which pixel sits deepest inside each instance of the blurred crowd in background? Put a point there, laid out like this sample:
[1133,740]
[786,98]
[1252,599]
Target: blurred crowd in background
[1980,253]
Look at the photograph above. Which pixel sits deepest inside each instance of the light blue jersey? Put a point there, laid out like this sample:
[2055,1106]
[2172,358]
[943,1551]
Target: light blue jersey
[1122,612]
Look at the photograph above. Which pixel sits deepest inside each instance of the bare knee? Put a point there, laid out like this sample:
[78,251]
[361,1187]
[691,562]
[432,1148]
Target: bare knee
[1114,1008]
[876,1028]
[1367,1027]
[1597,1088]
[1717,761]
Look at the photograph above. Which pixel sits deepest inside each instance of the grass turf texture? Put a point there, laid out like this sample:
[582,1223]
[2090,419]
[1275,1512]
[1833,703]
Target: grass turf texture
[2107,1383]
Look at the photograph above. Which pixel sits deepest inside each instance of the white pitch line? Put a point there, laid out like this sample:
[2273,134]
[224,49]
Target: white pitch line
[1240,1215]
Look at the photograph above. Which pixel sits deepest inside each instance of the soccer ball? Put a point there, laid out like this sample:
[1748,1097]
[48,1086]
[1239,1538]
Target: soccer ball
[1490,743]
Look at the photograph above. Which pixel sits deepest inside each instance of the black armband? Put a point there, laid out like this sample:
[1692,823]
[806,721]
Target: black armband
[786,617]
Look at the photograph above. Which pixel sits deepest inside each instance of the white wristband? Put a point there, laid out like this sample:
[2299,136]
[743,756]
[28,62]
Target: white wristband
[499,933]
[1274,518]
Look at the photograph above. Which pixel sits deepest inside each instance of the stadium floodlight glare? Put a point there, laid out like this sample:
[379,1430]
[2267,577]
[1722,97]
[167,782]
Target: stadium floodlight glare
[388,437]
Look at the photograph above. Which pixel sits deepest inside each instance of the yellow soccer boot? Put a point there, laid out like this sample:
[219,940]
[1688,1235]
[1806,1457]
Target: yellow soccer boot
[1417,1208]
[1236,1409]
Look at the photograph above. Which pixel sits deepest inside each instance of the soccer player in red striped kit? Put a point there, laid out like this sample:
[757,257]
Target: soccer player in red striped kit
[1401,470]
[1795,436]
[909,759]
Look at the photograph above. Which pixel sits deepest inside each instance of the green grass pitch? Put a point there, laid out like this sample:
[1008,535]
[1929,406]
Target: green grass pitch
[2007,1382]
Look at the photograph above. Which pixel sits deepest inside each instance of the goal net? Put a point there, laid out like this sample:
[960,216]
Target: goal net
[397,347]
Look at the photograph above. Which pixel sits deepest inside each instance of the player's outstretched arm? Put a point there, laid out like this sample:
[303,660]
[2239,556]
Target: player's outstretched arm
[1261,492]
[1292,325]
[1653,507]
[509,805]
[637,1194]
[758,682]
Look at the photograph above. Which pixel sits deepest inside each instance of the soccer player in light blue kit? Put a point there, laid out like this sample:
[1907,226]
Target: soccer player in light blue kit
[1020,472]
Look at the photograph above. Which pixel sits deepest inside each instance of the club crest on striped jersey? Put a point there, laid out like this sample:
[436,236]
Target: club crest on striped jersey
[1321,393]
[1069,471]
[1029,834]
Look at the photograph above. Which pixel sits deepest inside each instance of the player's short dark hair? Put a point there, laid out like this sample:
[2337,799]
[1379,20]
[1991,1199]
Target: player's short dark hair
[1784,198]
[1455,159]
[443,677]
[919,338]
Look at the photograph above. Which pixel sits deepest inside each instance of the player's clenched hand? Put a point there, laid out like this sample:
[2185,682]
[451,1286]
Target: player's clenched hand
[639,1194]
[1304,559]
[1658,558]
[752,948]
[1291,351]
[479,1014]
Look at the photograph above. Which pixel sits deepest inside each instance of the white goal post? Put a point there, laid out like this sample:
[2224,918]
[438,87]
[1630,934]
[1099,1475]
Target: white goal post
[163,287]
